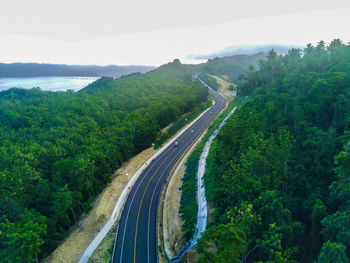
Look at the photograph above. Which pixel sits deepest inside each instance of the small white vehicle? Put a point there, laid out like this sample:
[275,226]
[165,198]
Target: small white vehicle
[176,144]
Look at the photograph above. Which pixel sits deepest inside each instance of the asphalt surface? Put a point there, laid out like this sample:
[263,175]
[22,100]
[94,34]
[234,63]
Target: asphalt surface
[136,240]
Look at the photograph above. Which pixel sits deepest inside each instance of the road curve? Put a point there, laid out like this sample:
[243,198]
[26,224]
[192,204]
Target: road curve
[136,240]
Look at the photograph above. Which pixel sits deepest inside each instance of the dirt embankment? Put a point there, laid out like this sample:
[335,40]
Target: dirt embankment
[89,225]
[172,222]
[224,87]
[173,237]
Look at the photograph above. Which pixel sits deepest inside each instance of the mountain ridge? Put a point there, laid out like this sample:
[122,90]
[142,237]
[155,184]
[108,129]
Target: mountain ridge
[17,69]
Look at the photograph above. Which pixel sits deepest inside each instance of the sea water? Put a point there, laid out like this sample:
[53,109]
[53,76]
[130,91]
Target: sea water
[47,83]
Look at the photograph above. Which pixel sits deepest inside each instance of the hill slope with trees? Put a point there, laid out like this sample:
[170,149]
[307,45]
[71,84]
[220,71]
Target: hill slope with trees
[279,171]
[59,149]
[232,66]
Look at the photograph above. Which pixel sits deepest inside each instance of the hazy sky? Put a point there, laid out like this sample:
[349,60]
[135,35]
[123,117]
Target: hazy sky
[153,32]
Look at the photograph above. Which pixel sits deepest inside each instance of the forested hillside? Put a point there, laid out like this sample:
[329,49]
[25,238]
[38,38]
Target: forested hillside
[209,81]
[232,66]
[59,149]
[279,171]
[247,49]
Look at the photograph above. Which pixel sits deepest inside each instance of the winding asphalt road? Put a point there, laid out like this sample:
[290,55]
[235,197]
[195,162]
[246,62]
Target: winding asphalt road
[136,240]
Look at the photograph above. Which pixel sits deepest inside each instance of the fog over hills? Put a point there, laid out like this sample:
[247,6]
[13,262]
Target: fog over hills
[45,70]
[245,50]
[231,66]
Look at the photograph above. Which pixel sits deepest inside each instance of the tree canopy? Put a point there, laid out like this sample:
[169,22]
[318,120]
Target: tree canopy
[279,170]
[59,149]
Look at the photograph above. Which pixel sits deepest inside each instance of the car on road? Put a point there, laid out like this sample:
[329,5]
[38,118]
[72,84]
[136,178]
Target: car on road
[176,144]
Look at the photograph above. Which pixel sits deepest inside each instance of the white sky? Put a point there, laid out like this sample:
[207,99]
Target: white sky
[154,32]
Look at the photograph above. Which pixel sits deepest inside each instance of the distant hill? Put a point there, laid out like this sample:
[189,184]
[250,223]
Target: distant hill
[13,70]
[231,66]
[246,50]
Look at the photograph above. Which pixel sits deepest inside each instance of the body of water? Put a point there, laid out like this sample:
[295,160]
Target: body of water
[47,83]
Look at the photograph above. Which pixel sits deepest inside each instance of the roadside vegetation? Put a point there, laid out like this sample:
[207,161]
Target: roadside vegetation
[181,122]
[278,171]
[232,66]
[59,149]
[188,203]
[209,81]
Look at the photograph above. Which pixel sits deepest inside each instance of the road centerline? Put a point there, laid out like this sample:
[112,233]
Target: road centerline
[129,208]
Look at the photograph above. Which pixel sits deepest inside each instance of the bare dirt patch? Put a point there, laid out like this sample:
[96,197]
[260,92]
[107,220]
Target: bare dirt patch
[103,254]
[227,78]
[165,130]
[224,87]
[174,237]
[89,225]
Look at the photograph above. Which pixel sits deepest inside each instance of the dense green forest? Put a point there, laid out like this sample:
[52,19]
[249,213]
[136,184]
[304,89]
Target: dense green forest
[59,149]
[278,173]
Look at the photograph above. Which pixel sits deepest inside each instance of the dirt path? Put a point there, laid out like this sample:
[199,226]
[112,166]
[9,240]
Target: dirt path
[88,227]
